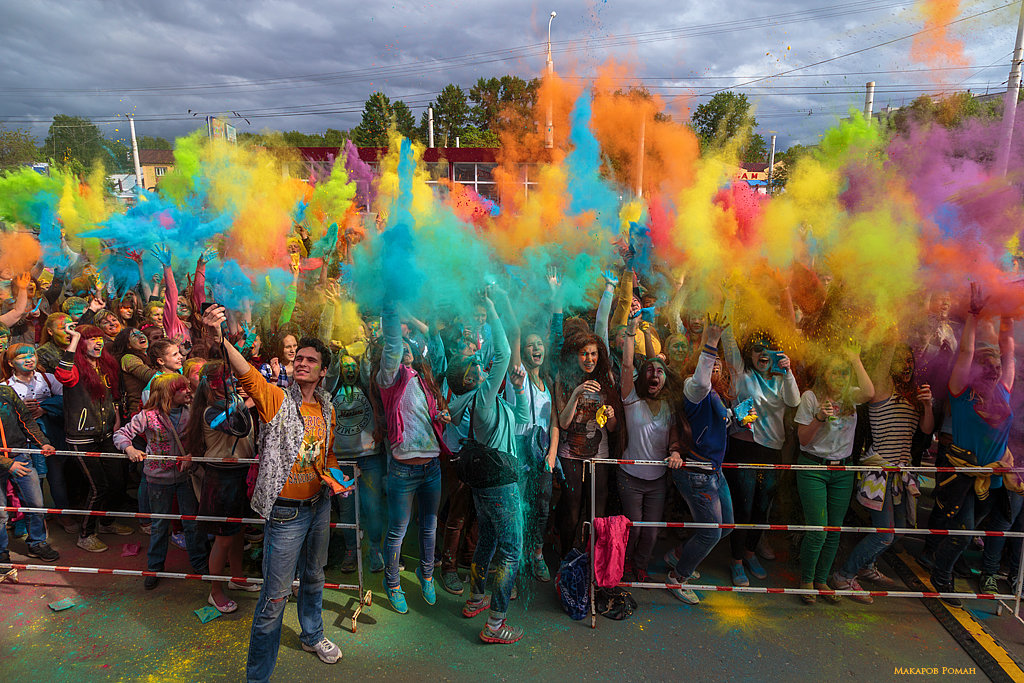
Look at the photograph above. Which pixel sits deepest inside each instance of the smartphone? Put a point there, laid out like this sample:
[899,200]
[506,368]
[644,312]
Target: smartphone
[206,305]
[775,368]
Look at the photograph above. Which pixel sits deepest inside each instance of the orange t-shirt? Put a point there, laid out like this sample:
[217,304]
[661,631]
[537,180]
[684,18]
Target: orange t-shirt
[316,454]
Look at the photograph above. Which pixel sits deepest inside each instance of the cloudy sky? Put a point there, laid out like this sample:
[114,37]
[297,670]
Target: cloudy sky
[309,65]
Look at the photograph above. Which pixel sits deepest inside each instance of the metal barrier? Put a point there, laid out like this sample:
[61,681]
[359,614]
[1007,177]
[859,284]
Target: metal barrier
[1001,598]
[12,568]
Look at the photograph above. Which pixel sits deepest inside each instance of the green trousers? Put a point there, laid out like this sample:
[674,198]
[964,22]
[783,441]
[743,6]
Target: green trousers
[825,497]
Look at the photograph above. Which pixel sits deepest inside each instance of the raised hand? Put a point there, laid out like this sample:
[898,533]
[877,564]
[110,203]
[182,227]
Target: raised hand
[978,300]
[518,377]
[162,253]
[208,255]
[714,326]
[610,278]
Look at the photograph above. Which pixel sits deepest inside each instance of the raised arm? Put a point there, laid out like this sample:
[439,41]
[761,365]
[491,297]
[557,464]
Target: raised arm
[961,374]
[604,307]
[864,383]
[502,355]
[212,320]
[391,357]
[511,324]
[21,301]
[1006,353]
[628,351]
[697,387]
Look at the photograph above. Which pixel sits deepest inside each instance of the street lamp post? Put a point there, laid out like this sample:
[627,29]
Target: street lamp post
[549,133]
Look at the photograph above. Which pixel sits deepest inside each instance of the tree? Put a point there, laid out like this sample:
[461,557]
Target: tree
[17,148]
[150,142]
[756,150]
[372,131]
[784,163]
[451,114]
[73,138]
[335,138]
[501,102]
[950,111]
[722,118]
[405,122]
[474,137]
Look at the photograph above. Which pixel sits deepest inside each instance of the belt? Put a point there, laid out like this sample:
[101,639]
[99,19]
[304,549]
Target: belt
[822,461]
[292,503]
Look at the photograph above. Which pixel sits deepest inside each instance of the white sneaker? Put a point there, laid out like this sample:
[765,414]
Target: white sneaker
[327,651]
[684,594]
[91,544]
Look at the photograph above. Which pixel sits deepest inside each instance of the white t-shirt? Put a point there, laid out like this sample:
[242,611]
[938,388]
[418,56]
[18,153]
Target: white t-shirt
[38,388]
[648,436]
[418,438]
[834,440]
[541,413]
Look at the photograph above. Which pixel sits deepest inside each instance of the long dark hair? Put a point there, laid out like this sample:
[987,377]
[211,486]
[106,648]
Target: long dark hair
[87,373]
[569,372]
[120,347]
[195,438]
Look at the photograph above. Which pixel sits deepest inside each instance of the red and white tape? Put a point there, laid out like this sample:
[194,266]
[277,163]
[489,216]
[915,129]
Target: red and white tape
[814,591]
[159,575]
[812,468]
[156,515]
[812,527]
[98,454]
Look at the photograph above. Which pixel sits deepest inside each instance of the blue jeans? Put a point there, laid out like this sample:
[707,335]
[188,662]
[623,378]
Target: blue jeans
[708,497]
[1000,521]
[144,506]
[500,519]
[372,470]
[161,501]
[295,539]
[31,495]
[403,483]
[873,545]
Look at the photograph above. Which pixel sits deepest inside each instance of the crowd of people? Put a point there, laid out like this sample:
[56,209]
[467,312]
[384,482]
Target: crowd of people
[477,429]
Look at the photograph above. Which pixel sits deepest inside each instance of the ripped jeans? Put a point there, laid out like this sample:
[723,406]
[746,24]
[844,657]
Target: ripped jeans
[500,518]
[707,495]
[294,538]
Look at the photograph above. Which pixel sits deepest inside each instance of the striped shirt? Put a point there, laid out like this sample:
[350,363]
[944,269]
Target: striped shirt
[893,424]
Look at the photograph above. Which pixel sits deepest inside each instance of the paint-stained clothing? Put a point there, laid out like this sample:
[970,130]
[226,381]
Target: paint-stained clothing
[19,429]
[296,448]
[155,427]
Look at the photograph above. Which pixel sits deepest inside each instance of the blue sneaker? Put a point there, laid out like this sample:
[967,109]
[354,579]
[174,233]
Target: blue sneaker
[739,577]
[426,587]
[396,596]
[754,565]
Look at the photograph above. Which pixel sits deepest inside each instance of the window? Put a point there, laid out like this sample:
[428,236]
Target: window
[478,177]
[160,170]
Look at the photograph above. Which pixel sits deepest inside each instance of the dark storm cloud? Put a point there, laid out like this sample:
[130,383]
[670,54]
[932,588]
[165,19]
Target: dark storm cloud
[52,51]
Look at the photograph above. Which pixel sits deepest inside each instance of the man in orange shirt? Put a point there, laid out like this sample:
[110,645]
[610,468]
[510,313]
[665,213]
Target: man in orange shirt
[291,493]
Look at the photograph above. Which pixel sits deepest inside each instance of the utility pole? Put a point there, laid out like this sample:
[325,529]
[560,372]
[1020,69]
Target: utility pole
[869,101]
[640,159]
[1010,100]
[771,165]
[139,181]
[430,126]
[549,132]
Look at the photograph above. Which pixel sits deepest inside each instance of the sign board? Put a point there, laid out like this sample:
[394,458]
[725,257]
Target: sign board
[752,175]
[222,130]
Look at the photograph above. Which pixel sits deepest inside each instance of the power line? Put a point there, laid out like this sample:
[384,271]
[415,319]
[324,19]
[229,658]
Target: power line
[421,67]
[870,47]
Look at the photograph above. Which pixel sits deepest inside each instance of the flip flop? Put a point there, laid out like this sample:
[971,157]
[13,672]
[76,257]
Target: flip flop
[228,608]
[249,587]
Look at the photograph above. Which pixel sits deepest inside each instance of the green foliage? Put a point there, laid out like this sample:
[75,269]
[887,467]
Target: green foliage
[950,112]
[784,163]
[17,148]
[502,102]
[405,122]
[75,139]
[722,118]
[372,131]
[474,137]
[150,142]
[451,116]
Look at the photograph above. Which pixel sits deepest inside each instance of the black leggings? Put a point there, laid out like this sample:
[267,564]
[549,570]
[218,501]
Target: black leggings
[105,477]
[575,495]
[752,492]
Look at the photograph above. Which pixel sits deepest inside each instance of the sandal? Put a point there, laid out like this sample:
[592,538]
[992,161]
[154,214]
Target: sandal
[227,608]
[249,587]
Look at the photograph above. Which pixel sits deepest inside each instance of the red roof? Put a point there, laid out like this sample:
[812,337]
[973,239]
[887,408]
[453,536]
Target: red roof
[152,157]
[757,168]
[431,154]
